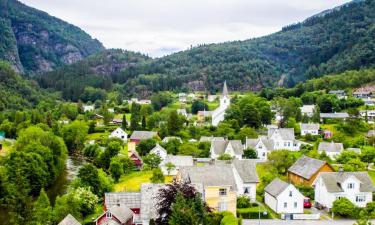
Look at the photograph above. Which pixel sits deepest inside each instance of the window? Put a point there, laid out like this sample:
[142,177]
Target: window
[360,198]
[264,154]
[246,190]
[285,205]
[222,192]
[260,147]
[108,215]
[351,186]
[222,206]
[285,144]
[295,204]
[290,193]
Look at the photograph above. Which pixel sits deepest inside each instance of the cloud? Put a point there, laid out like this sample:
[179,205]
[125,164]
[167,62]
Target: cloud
[160,27]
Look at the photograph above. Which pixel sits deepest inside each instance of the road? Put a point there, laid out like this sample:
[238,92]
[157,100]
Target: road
[300,222]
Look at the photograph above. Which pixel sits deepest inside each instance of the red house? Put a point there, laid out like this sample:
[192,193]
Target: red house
[138,136]
[136,159]
[116,215]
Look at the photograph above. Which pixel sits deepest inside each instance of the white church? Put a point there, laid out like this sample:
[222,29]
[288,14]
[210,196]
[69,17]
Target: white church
[218,113]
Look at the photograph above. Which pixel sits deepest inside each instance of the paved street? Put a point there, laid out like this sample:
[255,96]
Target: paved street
[300,222]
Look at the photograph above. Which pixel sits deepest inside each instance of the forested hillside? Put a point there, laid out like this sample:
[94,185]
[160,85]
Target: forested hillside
[33,41]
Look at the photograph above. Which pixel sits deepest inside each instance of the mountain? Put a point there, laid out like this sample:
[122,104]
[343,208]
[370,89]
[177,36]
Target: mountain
[34,42]
[330,42]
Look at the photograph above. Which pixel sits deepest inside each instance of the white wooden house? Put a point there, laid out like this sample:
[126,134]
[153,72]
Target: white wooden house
[119,133]
[331,149]
[159,151]
[233,148]
[309,128]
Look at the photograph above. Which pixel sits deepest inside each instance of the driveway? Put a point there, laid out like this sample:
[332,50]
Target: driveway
[299,222]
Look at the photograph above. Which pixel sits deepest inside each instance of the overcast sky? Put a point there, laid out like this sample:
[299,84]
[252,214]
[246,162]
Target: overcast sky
[160,27]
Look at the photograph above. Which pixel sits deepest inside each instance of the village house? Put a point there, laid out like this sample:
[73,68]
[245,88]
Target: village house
[283,198]
[336,115]
[120,134]
[310,128]
[233,148]
[134,156]
[364,94]
[331,149]
[204,116]
[341,94]
[355,186]
[138,136]
[308,110]
[159,151]
[131,200]
[210,139]
[370,133]
[69,220]
[306,169]
[218,113]
[262,145]
[116,215]
[171,138]
[178,161]
[283,138]
[246,177]
[182,112]
[88,108]
[369,114]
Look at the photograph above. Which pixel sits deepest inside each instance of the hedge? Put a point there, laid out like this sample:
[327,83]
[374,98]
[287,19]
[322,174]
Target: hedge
[229,219]
[252,213]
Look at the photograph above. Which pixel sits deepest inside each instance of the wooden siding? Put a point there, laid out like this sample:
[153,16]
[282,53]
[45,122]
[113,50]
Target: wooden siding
[298,180]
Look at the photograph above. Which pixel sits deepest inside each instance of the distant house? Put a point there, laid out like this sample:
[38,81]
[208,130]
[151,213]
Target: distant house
[309,128]
[120,134]
[355,186]
[69,220]
[362,94]
[182,97]
[331,149]
[144,102]
[339,93]
[327,134]
[308,110]
[111,110]
[159,151]
[171,138]
[369,114]
[131,200]
[306,169]
[283,138]
[338,115]
[370,133]
[284,198]
[202,115]
[369,101]
[88,108]
[116,215]
[117,121]
[233,148]
[262,145]
[134,156]
[178,161]
[182,112]
[138,136]
[209,139]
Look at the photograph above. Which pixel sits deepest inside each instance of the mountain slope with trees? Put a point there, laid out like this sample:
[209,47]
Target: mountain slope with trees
[33,41]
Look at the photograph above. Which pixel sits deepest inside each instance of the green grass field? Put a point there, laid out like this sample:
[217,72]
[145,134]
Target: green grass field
[372,175]
[133,181]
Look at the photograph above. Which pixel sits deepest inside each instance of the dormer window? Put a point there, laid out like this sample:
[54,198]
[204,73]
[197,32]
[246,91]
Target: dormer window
[108,215]
[351,186]
[290,193]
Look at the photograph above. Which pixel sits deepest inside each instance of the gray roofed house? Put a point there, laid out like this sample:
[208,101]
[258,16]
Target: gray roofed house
[231,147]
[330,148]
[209,139]
[309,128]
[336,115]
[69,220]
[333,180]
[246,168]
[178,161]
[131,200]
[285,133]
[262,145]
[143,135]
[276,187]
[122,213]
[212,175]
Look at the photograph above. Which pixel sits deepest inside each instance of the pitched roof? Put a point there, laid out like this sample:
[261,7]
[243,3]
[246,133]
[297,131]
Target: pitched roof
[158,147]
[131,200]
[142,135]
[371,133]
[69,220]
[246,168]
[307,108]
[210,175]
[276,187]
[338,115]
[285,133]
[122,213]
[225,90]
[170,138]
[209,139]
[306,167]
[333,180]
[330,147]
[179,160]
[219,146]
[265,140]
[310,126]
[336,92]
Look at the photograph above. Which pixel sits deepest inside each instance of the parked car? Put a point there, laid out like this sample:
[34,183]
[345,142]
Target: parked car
[307,203]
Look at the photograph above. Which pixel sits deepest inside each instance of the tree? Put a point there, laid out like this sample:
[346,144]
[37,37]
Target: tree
[145,146]
[172,146]
[74,135]
[113,148]
[225,157]
[250,153]
[170,166]
[243,201]
[174,123]
[282,160]
[42,210]
[92,125]
[251,116]
[184,212]
[198,106]
[157,176]
[189,149]
[161,99]
[135,118]
[89,177]
[116,169]
[124,123]
[343,207]
[152,160]
[247,132]
[144,122]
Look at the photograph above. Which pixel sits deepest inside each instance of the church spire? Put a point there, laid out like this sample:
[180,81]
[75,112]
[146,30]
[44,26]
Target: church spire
[225,90]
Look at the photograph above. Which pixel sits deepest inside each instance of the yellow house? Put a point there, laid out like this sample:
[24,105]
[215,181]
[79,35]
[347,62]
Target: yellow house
[218,183]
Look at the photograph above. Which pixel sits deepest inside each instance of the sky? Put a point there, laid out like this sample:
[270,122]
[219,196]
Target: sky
[161,27]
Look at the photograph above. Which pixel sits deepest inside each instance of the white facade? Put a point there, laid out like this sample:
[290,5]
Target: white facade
[289,201]
[284,143]
[159,151]
[248,189]
[218,113]
[308,110]
[312,129]
[350,190]
[119,133]
[88,108]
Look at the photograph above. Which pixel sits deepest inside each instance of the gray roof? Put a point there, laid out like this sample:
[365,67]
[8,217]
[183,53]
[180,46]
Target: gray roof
[336,92]
[285,133]
[306,167]
[142,135]
[219,146]
[170,138]
[330,147]
[339,115]
[209,139]
[267,142]
[131,200]
[179,160]
[246,168]
[225,89]
[149,192]
[333,180]
[69,220]
[371,133]
[276,187]
[122,213]
[210,175]
[310,126]
[157,146]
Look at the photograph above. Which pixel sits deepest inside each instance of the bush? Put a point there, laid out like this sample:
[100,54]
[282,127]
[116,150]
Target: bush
[252,213]
[344,207]
[243,202]
[307,191]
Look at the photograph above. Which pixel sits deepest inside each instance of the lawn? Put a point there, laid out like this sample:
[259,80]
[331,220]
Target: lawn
[133,181]
[372,175]
[97,136]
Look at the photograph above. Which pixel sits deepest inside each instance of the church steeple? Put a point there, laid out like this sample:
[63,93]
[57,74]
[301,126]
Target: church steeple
[225,90]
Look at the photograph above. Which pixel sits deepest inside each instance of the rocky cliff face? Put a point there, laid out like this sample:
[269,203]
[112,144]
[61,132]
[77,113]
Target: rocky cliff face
[34,42]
